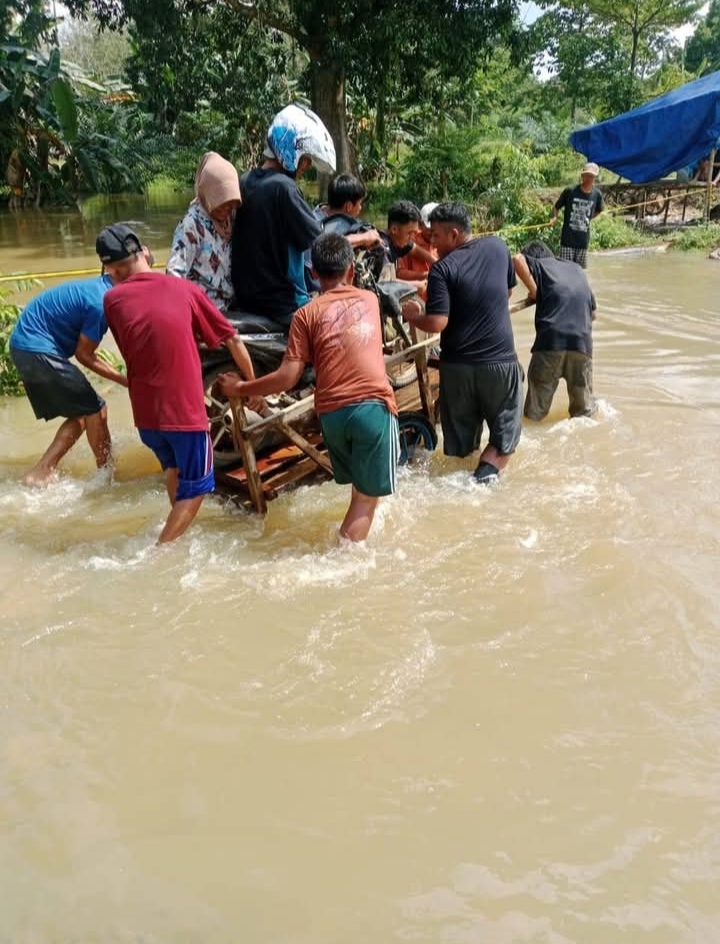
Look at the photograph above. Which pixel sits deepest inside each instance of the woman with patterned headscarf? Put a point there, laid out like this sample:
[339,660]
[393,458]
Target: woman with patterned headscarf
[201,243]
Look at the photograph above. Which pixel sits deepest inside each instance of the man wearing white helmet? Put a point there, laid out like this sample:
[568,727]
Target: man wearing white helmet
[274,226]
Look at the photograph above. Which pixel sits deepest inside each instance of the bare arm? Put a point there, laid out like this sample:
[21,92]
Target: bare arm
[241,357]
[431,324]
[417,252]
[364,240]
[522,270]
[284,378]
[86,354]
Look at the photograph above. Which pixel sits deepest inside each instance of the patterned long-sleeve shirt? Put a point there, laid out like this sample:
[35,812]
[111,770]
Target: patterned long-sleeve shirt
[200,254]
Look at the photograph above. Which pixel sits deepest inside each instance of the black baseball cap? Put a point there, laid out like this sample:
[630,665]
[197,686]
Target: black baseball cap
[117,242]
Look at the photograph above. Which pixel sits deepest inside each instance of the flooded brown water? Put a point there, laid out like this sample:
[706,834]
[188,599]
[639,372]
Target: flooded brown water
[497,722]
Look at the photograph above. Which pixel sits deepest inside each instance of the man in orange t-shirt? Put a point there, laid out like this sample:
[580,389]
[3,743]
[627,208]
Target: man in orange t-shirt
[340,334]
[415,267]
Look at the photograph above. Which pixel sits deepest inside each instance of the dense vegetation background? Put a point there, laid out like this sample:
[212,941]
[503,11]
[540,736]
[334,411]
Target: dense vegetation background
[432,99]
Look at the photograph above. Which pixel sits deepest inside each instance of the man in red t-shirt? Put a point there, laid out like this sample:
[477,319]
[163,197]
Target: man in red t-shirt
[157,321]
[340,334]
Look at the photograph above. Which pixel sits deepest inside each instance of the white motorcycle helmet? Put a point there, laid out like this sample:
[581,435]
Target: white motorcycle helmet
[297,132]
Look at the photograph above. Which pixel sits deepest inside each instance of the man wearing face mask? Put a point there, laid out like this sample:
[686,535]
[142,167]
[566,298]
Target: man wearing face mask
[274,225]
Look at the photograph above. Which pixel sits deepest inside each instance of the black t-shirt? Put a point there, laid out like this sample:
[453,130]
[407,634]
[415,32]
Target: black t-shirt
[564,306]
[470,285]
[579,207]
[273,228]
[393,252]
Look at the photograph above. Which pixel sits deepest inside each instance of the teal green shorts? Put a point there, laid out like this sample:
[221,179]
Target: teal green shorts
[362,440]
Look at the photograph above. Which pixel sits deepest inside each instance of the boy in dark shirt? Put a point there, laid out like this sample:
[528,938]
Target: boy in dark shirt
[581,204]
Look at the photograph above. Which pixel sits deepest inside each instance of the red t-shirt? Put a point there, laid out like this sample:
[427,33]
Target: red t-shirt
[157,321]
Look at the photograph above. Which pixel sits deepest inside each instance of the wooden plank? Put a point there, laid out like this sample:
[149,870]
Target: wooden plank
[300,470]
[307,447]
[254,482]
[401,356]
[306,405]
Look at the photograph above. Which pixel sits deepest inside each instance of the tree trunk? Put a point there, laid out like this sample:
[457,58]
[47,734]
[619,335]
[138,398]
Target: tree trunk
[328,99]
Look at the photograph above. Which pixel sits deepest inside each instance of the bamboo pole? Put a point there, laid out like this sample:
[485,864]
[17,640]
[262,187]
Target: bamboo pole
[708,189]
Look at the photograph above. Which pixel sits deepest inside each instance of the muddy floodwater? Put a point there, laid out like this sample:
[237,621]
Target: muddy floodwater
[497,722]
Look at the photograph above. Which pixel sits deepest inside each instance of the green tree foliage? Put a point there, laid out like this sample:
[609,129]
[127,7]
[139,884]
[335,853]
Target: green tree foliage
[381,46]
[702,54]
[600,52]
[101,54]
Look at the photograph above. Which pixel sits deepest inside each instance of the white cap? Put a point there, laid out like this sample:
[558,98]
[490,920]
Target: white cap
[426,211]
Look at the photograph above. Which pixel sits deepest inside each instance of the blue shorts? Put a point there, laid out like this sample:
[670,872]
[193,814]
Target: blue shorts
[190,453]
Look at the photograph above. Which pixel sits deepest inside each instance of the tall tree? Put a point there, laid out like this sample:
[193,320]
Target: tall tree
[645,21]
[702,52]
[368,40]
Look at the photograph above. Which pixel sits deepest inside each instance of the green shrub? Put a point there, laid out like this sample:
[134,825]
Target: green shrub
[611,232]
[704,237]
[10,383]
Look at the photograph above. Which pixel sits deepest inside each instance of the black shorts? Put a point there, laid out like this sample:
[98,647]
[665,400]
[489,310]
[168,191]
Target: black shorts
[55,387]
[473,394]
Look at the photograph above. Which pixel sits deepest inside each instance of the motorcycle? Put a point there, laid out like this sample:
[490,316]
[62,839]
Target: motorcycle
[266,342]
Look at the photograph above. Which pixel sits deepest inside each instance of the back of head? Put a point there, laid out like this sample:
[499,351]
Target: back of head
[452,214]
[216,182]
[117,243]
[297,132]
[403,212]
[345,188]
[537,250]
[332,255]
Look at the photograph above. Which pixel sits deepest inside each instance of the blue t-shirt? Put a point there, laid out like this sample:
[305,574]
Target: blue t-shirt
[54,320]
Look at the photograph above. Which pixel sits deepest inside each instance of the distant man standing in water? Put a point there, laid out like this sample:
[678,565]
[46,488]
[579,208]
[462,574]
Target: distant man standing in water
[564,312]
[481,380]
[580,204]
[63,322]
[157,321]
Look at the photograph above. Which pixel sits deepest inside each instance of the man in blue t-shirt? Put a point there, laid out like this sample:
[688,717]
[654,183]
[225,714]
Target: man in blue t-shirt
[481,380]
[60,323]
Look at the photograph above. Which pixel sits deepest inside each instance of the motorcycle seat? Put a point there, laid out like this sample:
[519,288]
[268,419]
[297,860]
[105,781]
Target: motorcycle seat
[246,323]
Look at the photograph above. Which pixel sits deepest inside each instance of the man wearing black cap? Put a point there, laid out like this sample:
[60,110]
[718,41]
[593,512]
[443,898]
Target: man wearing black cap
[63,322]
[156,321]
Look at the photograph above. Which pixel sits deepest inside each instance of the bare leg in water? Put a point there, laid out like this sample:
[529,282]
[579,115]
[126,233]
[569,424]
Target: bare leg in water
[490,465]
[183,512]
[65,438]
[359,517]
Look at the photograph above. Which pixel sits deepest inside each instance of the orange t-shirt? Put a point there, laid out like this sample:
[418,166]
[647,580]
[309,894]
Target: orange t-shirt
[418,265]
[339,333]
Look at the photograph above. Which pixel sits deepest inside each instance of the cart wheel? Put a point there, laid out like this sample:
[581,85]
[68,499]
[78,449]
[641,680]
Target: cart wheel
[416,432]
[226,451]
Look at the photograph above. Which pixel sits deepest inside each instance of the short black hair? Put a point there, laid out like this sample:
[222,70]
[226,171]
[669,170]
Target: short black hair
[345,188]
[403,212]
[453,213]
[537,249]
[331,254]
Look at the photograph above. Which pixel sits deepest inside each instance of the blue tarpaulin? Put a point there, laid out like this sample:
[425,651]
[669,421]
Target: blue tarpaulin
[661,136]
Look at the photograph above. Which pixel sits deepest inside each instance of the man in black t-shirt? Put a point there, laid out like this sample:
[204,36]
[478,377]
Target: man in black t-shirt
[581,204]
[274,225]
[481,380]
[564,312]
